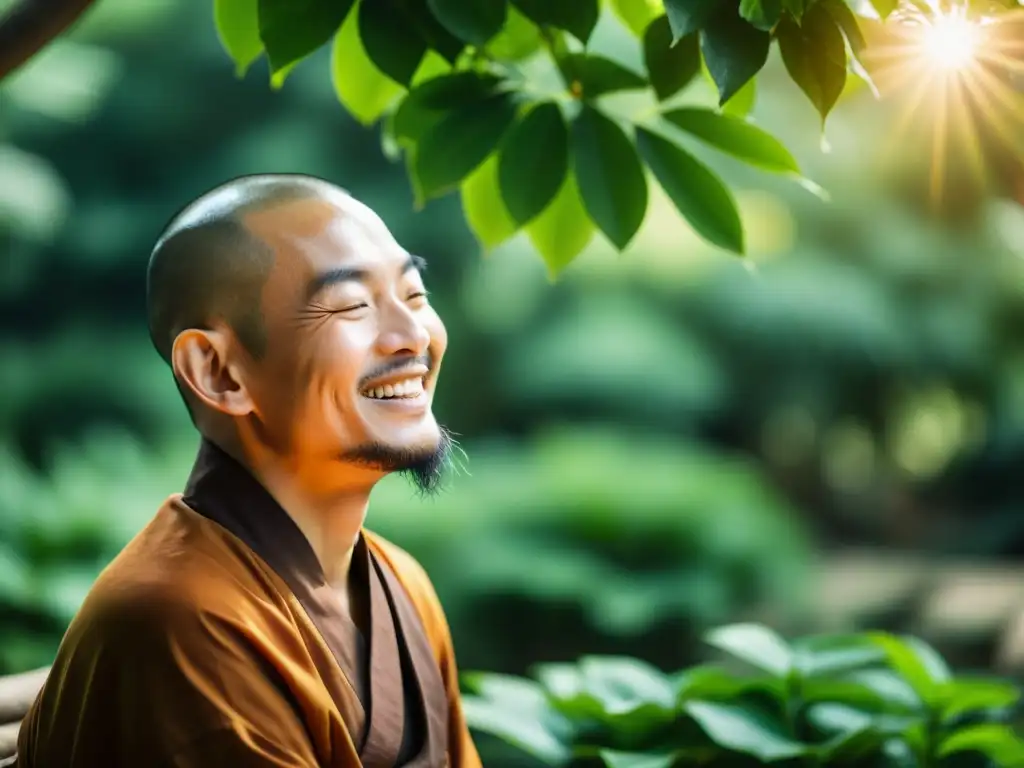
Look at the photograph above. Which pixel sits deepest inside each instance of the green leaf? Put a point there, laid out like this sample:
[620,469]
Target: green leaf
[814,53]
[519,38]
[742,102]
[891,688]
[483,207]
[610,175]
[362,88]
[735,136]
[475,22]
[966,696]
[562,680]
[998,742]
[238,27]
[670,68]
[636,15]
[436,36]
[796,8]
[563,230]
[457,144]
[847,21]
[704,201]
[516,711]
[916,663]
[734,52]
[293,29]
[623,684]
[577,17]
[835,661]
[598,75]
[743,730]
[708,681]
[390,40]
[762,14]
[755,644]
[427,103]
[534,161]
[850,746]
[884,7]
[636,759]
[937,667]
[688,16]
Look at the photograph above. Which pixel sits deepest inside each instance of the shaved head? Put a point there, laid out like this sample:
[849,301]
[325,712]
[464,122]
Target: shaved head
[296,325]
[208,265]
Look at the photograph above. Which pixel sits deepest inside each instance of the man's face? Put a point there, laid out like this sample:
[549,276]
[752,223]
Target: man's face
[353,345]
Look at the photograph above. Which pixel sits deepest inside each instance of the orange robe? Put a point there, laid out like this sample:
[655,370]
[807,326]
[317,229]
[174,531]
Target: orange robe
[213,640]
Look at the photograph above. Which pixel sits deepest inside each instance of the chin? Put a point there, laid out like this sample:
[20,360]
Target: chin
[424,461]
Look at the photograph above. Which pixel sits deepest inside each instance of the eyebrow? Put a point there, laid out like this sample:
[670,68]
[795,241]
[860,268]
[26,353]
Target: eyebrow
[356,275]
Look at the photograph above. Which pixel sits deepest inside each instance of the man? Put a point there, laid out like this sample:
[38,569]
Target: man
[255,621]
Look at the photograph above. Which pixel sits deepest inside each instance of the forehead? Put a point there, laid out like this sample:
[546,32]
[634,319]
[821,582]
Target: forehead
[314,235]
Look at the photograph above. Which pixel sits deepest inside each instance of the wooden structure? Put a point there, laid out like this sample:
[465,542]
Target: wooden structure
[16,695]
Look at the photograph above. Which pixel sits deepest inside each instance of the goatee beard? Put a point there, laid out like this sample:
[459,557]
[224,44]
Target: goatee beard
[425,468]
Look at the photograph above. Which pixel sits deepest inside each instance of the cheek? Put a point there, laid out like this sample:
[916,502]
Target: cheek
[326,367]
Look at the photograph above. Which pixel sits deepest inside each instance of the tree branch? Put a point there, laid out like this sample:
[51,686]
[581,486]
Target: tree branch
[30,24]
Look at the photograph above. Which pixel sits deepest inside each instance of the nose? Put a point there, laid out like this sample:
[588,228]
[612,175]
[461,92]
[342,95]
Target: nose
[402,333]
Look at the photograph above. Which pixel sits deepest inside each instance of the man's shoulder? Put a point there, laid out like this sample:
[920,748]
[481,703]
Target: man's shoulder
[135,608]
[171,575]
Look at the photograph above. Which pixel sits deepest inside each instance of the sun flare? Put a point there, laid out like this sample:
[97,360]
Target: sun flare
[950,41]
[953,72]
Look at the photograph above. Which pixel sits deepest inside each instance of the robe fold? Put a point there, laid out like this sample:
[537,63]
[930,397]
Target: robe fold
[214,639]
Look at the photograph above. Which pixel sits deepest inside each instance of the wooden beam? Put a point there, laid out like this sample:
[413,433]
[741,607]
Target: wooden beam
[17,692]
[8,742]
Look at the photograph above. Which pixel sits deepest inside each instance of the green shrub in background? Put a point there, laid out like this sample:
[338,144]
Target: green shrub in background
[859,700]
[584,540]
[59,530]
[603,540]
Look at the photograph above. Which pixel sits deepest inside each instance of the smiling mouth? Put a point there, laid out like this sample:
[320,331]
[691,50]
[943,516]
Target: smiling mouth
[408,388]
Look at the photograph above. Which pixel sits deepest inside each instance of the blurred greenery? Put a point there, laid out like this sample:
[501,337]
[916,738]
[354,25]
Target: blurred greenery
[665,440]
[871,700]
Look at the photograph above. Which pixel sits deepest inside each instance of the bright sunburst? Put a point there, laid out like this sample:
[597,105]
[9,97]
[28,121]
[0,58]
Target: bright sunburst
[950,40]
[954,73]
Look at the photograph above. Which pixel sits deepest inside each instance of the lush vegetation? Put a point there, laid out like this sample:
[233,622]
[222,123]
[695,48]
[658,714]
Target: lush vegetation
[521,105]
[857,382]
[857,700]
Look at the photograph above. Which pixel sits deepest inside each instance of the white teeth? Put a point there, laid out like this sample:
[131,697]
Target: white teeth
[405,388]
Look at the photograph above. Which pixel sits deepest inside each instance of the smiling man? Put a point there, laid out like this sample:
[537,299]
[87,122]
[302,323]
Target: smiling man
[255,621]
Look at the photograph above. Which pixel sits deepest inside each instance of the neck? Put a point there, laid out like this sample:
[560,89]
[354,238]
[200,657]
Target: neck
[327,501]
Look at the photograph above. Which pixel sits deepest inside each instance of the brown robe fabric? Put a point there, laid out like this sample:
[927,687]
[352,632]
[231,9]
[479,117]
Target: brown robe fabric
[214,640]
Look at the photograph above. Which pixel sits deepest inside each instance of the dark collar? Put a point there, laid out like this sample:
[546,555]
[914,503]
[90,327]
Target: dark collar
[224,491]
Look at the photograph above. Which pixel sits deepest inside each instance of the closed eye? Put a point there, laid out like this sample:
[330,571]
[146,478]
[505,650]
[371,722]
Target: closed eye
[352,308]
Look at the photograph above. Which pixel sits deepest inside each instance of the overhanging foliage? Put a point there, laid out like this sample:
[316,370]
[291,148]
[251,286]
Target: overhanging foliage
[506,100]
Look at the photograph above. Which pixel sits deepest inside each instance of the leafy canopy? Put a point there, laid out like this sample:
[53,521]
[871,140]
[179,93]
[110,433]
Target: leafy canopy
[506,100]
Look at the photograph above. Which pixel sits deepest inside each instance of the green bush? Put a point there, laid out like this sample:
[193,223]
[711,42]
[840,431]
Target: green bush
[859,700]
[626,542]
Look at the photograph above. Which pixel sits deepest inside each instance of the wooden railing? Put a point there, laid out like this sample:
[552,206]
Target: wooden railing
[17,692]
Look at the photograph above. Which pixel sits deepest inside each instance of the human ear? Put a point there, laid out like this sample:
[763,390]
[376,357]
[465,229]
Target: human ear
[201,359]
